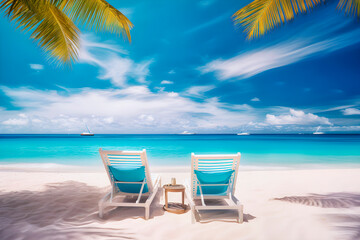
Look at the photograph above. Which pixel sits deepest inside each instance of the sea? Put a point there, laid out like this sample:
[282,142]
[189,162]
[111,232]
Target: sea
[257,151]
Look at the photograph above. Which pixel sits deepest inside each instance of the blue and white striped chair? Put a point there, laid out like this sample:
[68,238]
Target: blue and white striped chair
[129,175]
[214,177]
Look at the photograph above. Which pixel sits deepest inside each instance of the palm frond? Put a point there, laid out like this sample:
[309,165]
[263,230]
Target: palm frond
[54,32]
[260,16]
[97,15]
[352,7]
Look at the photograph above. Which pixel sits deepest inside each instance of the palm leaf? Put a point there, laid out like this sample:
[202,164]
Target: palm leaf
[352,7]
[260,16]
[55,33]
[97,15]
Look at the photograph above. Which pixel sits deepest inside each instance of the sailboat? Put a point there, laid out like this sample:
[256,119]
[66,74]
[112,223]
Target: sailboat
[88,133]
[243,134]
[317,131]
[186,133]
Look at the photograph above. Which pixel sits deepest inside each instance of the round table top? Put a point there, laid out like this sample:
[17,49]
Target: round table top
[174,187]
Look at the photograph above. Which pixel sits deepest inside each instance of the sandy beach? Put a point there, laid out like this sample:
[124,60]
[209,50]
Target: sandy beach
[278,204]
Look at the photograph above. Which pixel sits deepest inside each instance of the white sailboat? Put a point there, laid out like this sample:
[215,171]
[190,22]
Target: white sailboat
[317,131]
[88,133]
[243,134]
[186,133]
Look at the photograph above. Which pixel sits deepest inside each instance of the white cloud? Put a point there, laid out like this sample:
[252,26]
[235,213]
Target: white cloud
[166,82]
[173,94]
[23,120]
[198,91]
[108,120]
[330,109]
[37,67]
[255,99]
[135,91]
[129,110]
[172,71]
[248,64]
[160,89]
[16,121]
[351,111]
[139,110]
[296,117]
[113,62]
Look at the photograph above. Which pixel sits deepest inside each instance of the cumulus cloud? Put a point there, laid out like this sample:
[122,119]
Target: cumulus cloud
[114,62]
[129,110]
[16,121]
[351,111]
[37,67]
[255,99]
[166,82]
[296,117]
[20,121]
[247,64]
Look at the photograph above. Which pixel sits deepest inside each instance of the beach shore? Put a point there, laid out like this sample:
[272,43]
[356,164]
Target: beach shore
[278,204]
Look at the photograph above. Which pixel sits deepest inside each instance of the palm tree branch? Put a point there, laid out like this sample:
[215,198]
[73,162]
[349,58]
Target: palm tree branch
[51,28]
[97,15]
[260,16]
[352,7]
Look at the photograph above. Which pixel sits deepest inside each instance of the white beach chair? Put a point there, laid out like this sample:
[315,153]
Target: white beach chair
[214,177]
[129,175]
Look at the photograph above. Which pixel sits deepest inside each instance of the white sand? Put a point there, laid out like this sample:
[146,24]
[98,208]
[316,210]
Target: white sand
[317,204]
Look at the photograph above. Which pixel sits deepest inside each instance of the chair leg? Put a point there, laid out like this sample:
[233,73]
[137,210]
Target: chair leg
[241,214]
[193,220]
[147,212]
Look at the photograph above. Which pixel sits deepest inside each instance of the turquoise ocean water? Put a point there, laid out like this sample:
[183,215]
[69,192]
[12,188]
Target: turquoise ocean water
[175,150]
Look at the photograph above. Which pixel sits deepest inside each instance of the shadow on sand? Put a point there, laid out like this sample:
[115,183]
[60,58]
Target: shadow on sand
[333,200]
[348,223]
[67,210]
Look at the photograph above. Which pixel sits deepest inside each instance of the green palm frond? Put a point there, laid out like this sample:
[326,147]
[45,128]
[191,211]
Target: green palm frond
[352,7]
[260,16]
[97,15]
[54,32]
[51,23]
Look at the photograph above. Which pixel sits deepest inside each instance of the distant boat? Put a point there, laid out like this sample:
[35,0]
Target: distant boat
[186,133]
[317,131]
[243,134]
[88,133]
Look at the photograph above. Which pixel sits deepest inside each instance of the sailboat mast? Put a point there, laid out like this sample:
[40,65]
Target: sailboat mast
[87,128]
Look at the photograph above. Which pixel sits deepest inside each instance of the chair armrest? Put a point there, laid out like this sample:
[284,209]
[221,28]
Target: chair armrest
[156,188]
[188,194]
[235,200]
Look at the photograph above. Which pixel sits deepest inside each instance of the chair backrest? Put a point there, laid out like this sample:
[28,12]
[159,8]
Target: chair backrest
[214,163]
[127,159]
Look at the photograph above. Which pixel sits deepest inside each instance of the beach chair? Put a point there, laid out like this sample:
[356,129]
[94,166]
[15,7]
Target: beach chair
[213,177]
[129,176]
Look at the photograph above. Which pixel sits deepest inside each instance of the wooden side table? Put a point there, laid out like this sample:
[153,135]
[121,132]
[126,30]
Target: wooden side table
[175,207]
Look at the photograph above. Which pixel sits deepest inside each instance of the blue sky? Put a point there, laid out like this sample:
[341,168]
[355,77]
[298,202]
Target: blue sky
[188,69]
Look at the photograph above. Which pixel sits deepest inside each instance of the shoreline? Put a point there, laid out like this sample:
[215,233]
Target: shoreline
[55,167]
